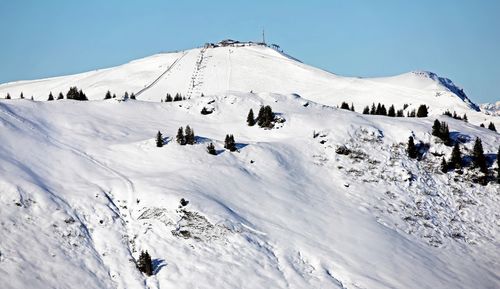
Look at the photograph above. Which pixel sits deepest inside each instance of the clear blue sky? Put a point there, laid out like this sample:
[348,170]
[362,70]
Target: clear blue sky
[458,39]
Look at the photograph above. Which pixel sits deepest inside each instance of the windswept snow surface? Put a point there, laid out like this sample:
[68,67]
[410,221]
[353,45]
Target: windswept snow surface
[260,69]
[83,189]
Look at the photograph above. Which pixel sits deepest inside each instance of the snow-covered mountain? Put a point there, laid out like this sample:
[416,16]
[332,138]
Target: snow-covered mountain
[491,108]
[252,68]
[83,187]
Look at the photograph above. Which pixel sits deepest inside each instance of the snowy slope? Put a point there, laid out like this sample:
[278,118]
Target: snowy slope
[84,189]
[259,69]
[491,108]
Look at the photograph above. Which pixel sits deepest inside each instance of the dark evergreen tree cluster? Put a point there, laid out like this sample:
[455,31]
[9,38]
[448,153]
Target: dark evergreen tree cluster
[346,106]
[266,117]
[51,97]
[145,264]
[185,137]
[60,96]
[76,94]
[8,96]
[411,148]
[159,139]
[205,111]
[189,135]
[229,143]
[132,96]
[108,95]
[456,116]
[180,136]
[456,157]
[422,111]
[392,111]
[177,97]
[441,130]
[492,127]
[478,158]
[250,118]
[380,109]
[211,149]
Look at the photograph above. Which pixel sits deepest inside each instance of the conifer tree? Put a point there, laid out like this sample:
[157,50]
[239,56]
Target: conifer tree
[8,96]
[436,128]
[108,95]
[205,111]
[379,109]
[189,135]
[159,140]
[392,111]
[456,157]
[373,110]
[132,96]
[411,149]
[492,127]
[344,105]
[366,110]
[144,264]
[169,98]
[352,107]
[260,116]
[444,165]
[114,95]
[180,136]
[481,125]
[445,133]
[81,95]
[21,96]
[412,113]
[478,157]
[422,111]
[229,143]
[250,118]
[265,117]
[400,113]
[465,118]
[383,110]
[60,96]
[211,149]
[72,93]
[51,97]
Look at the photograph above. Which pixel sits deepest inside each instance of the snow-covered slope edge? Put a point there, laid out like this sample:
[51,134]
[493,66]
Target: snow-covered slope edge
[83,189]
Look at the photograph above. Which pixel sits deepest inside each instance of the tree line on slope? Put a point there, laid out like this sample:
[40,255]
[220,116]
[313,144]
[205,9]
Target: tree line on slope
[380,109]
[265,119]
[187,137]
[456,161]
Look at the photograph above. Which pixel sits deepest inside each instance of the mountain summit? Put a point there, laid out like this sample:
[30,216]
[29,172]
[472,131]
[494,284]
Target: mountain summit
[243,67]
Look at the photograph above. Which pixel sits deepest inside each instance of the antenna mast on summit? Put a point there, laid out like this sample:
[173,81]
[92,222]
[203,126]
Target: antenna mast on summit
[263,37]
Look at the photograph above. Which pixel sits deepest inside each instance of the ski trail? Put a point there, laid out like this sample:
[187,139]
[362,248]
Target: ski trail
[161,75]
[38,130]
[128,183]
[195,77]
